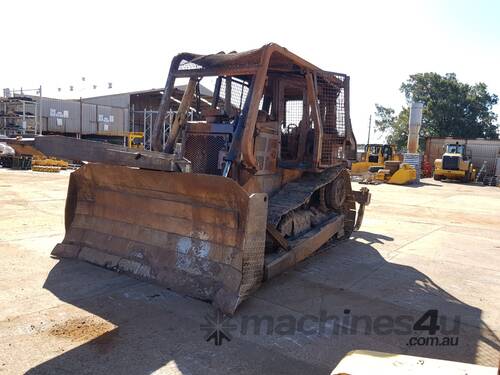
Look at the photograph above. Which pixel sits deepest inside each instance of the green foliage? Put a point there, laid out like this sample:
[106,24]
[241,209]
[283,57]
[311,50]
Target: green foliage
[451,109]
[395,126]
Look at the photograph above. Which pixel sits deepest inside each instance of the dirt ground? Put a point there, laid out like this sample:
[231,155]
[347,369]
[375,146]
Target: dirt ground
[432,247]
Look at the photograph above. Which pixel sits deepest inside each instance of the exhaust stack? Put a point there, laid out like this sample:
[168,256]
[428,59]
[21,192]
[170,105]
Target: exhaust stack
[414,126]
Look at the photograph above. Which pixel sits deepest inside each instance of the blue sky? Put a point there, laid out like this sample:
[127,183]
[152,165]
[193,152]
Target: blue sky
[378,43]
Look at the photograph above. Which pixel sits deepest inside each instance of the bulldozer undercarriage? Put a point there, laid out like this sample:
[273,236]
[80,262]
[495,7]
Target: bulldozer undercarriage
[307,213]
[233,197]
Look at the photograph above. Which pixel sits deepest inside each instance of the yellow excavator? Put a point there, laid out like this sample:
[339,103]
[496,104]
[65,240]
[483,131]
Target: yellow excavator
[454,164]
[373,158]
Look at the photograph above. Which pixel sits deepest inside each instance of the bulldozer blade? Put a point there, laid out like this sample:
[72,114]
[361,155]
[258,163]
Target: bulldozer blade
[199,235]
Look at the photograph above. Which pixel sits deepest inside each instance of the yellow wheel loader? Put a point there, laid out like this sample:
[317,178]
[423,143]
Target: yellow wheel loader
[373,158]
[454,164]
[240,193]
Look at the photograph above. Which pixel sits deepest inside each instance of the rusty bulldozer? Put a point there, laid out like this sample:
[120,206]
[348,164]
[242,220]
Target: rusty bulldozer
[251,185]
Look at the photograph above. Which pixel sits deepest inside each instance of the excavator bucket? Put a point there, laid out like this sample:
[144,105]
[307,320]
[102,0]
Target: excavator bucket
[200,235]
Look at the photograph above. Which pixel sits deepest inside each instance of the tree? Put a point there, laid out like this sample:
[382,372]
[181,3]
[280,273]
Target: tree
[451,109]
[396,127]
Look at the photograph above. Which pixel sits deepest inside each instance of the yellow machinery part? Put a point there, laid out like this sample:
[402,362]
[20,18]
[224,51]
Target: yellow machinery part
[450,174]
[50,162]
[381,174]
[132,136]
[473,174]
[397,157]
[404,175]
[363,166]
[43,168]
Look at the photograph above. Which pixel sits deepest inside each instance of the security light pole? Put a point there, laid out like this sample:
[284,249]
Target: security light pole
[40,112]
[369,129]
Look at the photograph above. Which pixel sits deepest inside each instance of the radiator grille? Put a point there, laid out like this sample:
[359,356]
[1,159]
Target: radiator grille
[451,162]
[203,151]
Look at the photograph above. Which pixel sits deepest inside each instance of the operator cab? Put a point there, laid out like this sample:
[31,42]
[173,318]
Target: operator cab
[455,149]
[454,154]
[373,152]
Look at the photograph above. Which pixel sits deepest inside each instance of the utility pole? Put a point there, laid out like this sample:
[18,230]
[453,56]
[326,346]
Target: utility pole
[369,129]
[40,112]
[79,136]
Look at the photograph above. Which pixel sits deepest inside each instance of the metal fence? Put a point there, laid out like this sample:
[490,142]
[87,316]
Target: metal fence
[144,120]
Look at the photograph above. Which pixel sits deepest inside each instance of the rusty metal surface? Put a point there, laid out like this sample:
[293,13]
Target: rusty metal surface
[304,246]
[70,148]
[203,234]
[199,235]
[249,62]
[23,147]
[296,193]
[256,66]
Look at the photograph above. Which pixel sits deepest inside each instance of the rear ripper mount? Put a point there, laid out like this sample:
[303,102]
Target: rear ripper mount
[257,183]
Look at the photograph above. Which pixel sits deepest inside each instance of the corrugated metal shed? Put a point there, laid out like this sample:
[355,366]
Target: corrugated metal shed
[63,116]
[111,120]
[479,150]
[144,99]
[75,117]
[114,100]
[107,115]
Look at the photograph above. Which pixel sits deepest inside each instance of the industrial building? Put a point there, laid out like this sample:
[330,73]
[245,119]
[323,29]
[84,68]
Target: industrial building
[142,107]
[30,115]
[110,117]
